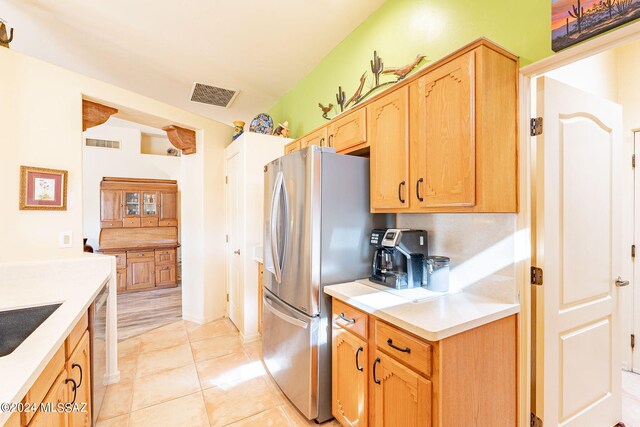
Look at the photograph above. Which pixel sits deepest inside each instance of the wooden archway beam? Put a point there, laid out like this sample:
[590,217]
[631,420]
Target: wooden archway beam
[94,114]
[181,138]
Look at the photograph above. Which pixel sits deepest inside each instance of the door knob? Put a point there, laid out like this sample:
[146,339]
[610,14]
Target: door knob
[620,283]
[237,252]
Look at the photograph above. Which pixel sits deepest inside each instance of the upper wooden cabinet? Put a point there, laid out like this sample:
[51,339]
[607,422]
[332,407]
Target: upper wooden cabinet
[442,140]
[388,134]
[292,146]
[168,209]
[317,137]
[443,135]
[348,132]
[111,208]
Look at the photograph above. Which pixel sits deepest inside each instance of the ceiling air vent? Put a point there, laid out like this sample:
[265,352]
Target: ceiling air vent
[102,143]
[212,95]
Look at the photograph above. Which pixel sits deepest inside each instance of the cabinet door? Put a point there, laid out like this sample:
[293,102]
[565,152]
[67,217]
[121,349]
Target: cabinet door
[318,137]
[111,208]
[58,394]
[121,279]
[349,368]
[292,146]
[388,134]
[168,209]
[149,204]
[166,275]
[131,204]
[443,132]
[348,132]
[402,397]
[79,369]
[141,272]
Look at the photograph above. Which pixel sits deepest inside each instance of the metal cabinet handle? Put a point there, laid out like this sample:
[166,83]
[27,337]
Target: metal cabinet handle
[404,350]
[75,388]
[75,365]
[358,367]
[400,191]
[347,319]
[140,254]
[420,198]
[621,283]
[237,252]
[375,379]
[330,139]
[321,141]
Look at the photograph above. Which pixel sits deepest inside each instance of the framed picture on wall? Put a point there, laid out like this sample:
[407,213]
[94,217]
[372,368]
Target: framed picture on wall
[573,21]
[43,189]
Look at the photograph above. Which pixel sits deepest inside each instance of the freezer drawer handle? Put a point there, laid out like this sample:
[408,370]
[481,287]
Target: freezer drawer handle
[375,378]
[358,367]
[347,319]
[289,319]
[404,350]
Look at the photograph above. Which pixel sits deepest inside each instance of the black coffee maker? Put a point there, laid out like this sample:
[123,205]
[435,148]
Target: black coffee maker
[399,257]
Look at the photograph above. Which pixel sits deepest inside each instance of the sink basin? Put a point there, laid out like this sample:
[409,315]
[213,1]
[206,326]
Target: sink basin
[17,325]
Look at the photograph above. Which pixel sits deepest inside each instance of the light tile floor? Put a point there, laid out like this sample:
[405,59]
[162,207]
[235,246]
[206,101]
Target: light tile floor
[631,399]
[185,374]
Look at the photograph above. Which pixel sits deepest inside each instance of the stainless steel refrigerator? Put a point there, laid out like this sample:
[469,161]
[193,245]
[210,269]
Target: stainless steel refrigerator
[316,229]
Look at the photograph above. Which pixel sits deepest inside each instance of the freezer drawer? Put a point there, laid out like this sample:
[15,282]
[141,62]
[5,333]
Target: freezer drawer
[290,352]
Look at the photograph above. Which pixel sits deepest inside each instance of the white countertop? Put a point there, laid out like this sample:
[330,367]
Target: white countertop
[74,283]
[434,318]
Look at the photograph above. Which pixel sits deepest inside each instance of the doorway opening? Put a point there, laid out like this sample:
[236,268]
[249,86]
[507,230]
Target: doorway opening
[585,221]
[131,210]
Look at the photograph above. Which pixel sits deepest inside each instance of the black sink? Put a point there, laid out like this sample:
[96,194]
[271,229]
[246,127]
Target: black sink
[17,325]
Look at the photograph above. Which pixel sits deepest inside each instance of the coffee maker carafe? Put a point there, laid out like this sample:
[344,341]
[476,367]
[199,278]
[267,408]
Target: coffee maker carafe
[399,257]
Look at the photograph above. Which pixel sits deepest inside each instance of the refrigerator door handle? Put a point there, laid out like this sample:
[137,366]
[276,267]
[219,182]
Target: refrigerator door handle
[292,320]
[275,201]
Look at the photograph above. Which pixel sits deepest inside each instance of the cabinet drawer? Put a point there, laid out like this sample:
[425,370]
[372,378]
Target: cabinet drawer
[44,382]
[350,318]
[168,223]
[76,334]
[131,222]
[165,256]
[411,351]
[132,256]
[111,224]
[166,276]
[149,222]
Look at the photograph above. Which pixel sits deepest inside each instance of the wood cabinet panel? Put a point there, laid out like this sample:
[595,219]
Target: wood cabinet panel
[292,146]
[318,137]
[402,397]
[402,346]
[79,369]
[168,209]
[111,206]
[388,134]
[443,135]
[121,259]
[350,318]
[14,420]
[350,373]
[121,280]
[165,256]
[141,272]
[76,335]
[40,388]
[58,394]
[166,275]
[348,132]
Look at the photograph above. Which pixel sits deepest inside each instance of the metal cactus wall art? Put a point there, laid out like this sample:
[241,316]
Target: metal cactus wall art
[4,40]
[377,69]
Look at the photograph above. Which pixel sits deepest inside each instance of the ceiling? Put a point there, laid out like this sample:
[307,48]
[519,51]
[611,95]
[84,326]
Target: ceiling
[160,48]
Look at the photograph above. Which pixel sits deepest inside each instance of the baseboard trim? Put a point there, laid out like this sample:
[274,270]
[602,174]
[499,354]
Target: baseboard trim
[112,378]
[249,338]
[201,320]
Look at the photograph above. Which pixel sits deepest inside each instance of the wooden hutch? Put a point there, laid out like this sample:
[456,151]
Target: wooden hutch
[139,226]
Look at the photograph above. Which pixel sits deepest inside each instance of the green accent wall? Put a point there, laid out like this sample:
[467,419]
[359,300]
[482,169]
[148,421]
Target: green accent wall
[399,30]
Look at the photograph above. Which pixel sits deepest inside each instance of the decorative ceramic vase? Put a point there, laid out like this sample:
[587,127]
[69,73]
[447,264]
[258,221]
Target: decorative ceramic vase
[262,123]
[238,129]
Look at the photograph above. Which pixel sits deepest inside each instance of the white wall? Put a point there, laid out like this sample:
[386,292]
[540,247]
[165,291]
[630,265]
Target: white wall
[41,122]
[126,162]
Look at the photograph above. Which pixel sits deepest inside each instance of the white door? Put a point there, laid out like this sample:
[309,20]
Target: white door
[577,219]
[234,232]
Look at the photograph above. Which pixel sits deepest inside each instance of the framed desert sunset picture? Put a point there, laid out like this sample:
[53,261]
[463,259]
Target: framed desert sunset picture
[43,189]
[573,21]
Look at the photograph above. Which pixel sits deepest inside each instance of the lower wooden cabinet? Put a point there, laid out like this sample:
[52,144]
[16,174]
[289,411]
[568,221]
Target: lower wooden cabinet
[58,394]
[13,421]
[165,275]
[140,271]
[402,397]
[121,279]
[349,378]
[79,369]
[384,376]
